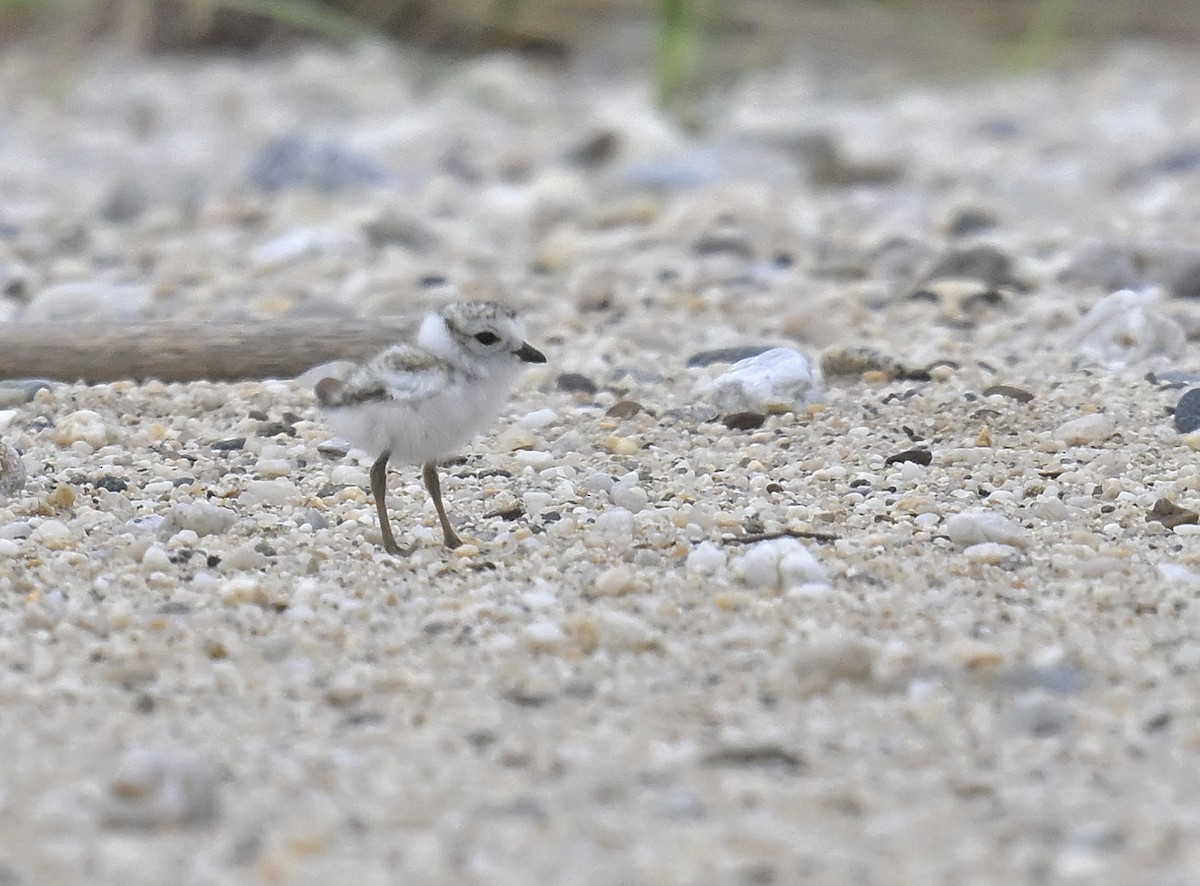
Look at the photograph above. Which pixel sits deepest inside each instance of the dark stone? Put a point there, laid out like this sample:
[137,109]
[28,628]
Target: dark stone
[916,456]
[744,421]
[1171,515]
[728,243]
[1187,283]
[514,513]
[1018,394]
[111,484]
[596,150]
[624,409]
[770,757]
[230,445]
[125,202]
[970,220]
[576,383]
[392,229]
[984,263]
[727,355]
[1187,412]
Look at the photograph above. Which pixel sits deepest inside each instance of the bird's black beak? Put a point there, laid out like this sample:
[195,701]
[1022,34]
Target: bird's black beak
[529,353]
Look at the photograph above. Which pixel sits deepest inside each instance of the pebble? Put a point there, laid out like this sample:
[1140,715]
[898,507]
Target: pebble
[782,564]
[272,493]
[156,559]
[88,301]
[705,559]
[1091,428]
[83,425]
[160,787]
[987,264]
[1127,327]
[614,581]
[52,533]
[291,161]
[12,472]
[538,419]
[726,355]
[778,380]
[979,526]
[575,383]
[616,524]
[1187,412]
[826,661]
[990,552]
[306,243]
[629,496]
[200,517]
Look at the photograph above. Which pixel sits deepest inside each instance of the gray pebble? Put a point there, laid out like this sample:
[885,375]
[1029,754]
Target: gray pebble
[293,161]
[160,787]
[12,471]
[1187,412]
[726,355]
[92,300]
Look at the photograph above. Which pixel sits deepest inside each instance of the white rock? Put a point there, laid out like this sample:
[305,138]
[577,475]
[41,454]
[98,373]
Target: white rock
[306,243]
[977,527]
[543,635]
[1086,429]
[1127,327]
[780,564]
[779,380]
[536,502]
[12,472]
[539,419]
[88,301]
[705,559]
[629,496]
[349,475]
[622,632]
[156,559]
[614,581]
[85,425]
[615,523]
[160,787]
[52,530]
[989,552]
[200,517]
[272,493]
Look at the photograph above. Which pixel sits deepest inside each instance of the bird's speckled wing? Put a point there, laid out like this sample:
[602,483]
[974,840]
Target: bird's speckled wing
[403,373]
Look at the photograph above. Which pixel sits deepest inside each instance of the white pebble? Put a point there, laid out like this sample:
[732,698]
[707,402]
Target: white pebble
[780,564]
[82,425]
[989,552]
[52,530]
[1086,429]
[705,559]
[160,787]
[615,523]
[614,581]
[543,635]
[536,502]
[272,493]
[977,526]
[779,380]
[200,517]
[349,475]
[156,559]
[629,496]
[538,419]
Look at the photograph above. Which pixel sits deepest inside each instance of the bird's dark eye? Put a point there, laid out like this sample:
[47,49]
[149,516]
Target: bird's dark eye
[486,338]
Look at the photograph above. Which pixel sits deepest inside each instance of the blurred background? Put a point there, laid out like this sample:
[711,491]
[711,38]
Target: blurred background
[688,45]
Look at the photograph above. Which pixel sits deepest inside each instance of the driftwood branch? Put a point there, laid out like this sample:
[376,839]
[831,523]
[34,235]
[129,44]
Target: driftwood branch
[188,350]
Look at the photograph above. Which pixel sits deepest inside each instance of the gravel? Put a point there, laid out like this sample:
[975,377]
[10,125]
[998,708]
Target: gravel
[670,651]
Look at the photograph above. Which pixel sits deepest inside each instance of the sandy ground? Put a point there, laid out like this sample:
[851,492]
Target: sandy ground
[672,652]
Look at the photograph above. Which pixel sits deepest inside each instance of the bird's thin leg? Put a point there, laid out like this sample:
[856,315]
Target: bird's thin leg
[429,474]
[379,490]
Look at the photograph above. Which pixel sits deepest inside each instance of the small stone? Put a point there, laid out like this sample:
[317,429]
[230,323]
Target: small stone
[779,380]
[978,526]
[85,425]
[88,301]
[12,472]
[1091,428]
[200,517]
[303,244]
[1187,412]
[575,383]
[854,362]
[156,559]
[272,493]
[990,552]
[1126,328]
[160,788]
[744,421]
[54,534]
[1171,515]
[1187,282]
[623,409]
[1018,394]
[706,559]
[616,524]
[832,660]
[726,355]
[515,437]
[629,496]
[915,456]
[390,228]
[291,161]
[615,581]
[620,445]
[983,263]
[538,419]
[780,564]
[231,445]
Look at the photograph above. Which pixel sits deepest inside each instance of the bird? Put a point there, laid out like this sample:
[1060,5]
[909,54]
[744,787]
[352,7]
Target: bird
[422,400]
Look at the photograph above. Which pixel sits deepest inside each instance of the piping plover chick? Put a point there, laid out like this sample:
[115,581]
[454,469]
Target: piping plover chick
[422,400]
